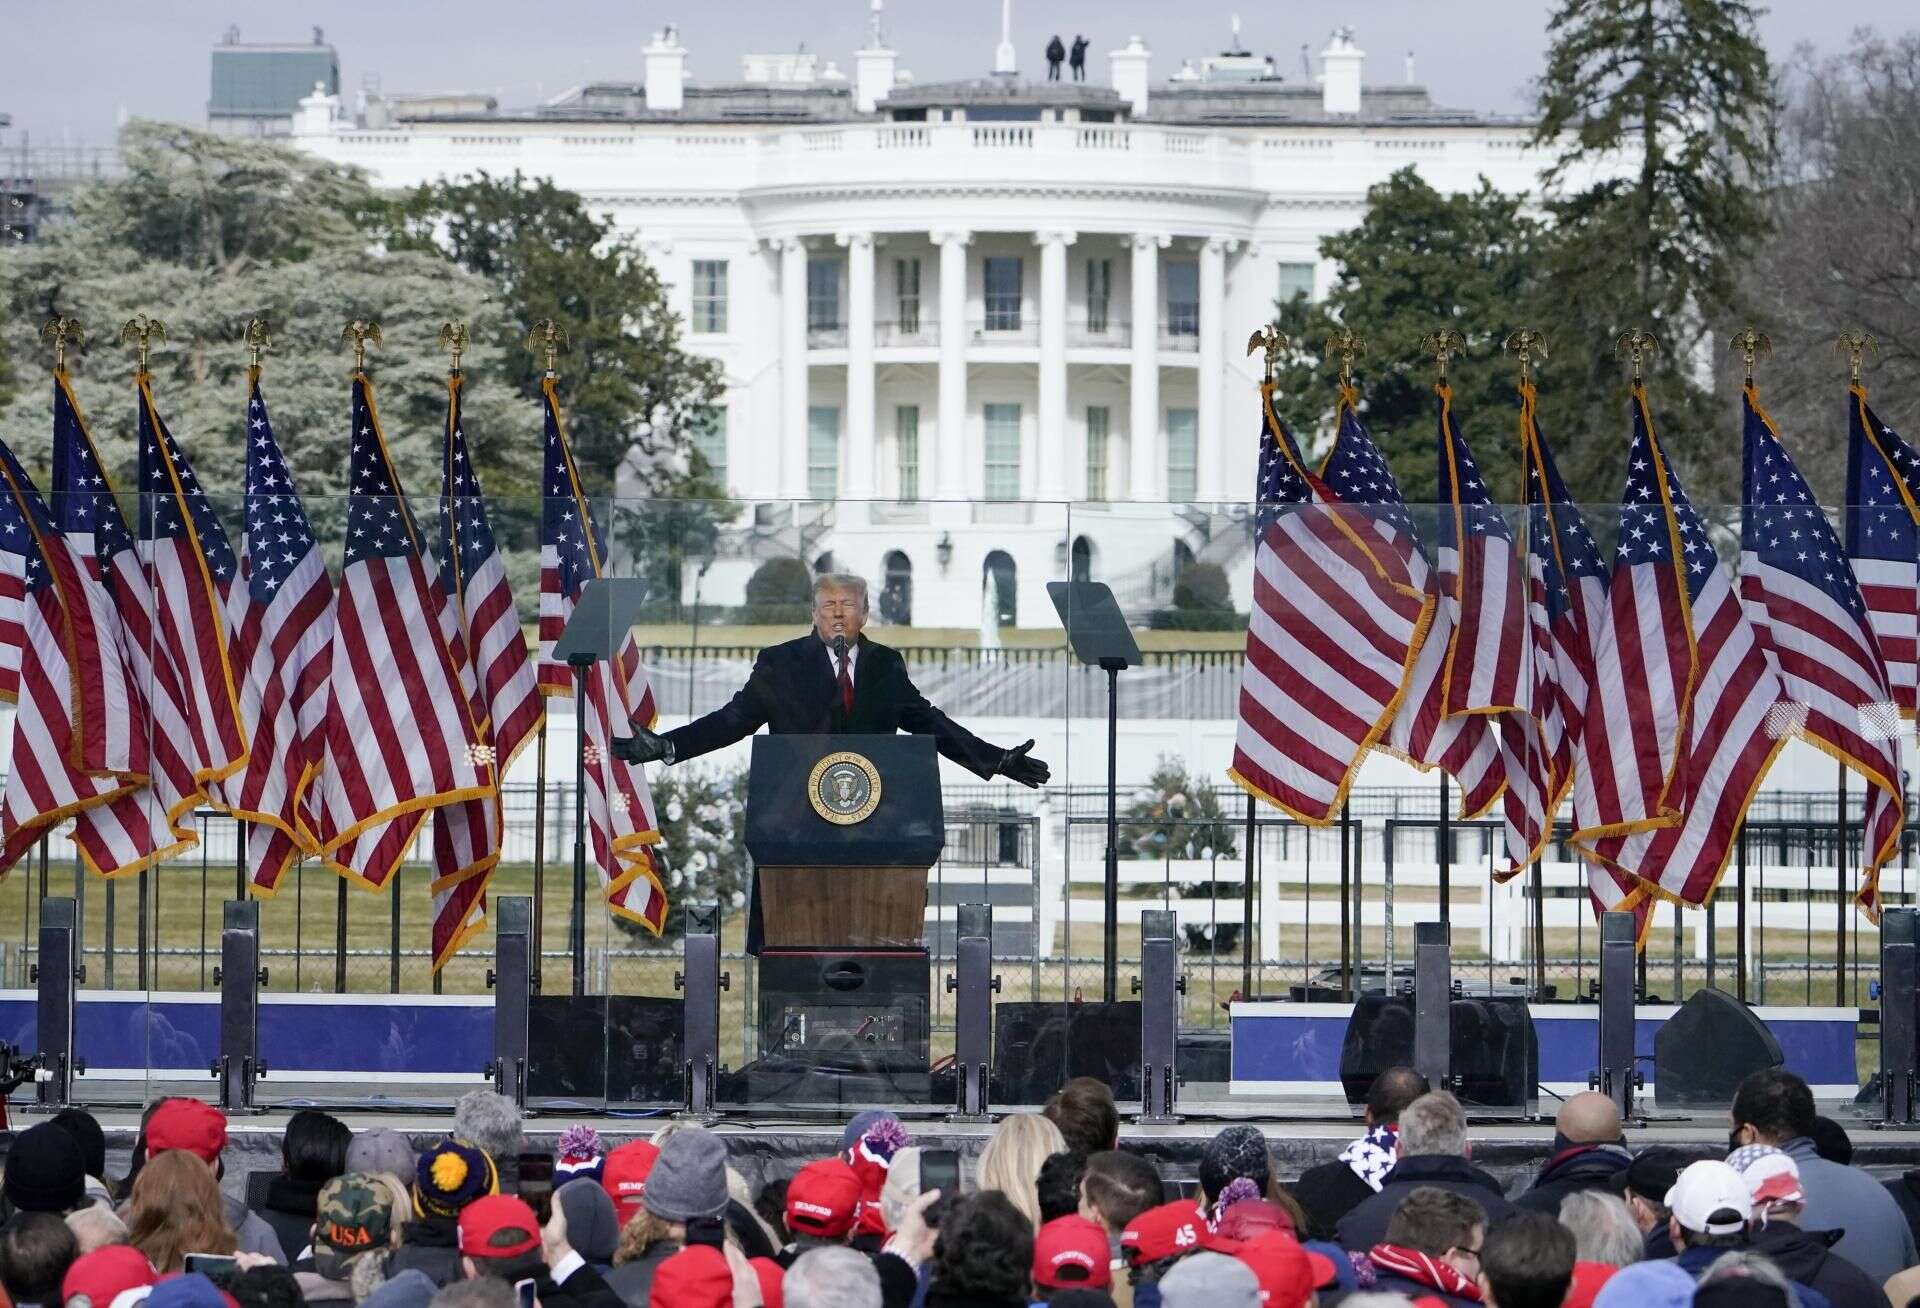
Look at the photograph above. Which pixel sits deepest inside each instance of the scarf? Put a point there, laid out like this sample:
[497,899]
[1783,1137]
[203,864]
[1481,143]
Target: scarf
[1422,1269]
[1373,1155]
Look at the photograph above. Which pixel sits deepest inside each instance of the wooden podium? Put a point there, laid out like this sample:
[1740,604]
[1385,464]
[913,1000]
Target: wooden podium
[842,830]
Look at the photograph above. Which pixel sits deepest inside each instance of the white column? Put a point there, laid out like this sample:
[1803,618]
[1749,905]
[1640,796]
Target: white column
[950,447]
[793,369]
[1143,429]
[1052,460]
[857,484]
[1212,366]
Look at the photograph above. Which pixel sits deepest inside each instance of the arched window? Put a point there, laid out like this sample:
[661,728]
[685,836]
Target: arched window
[1082,559]
[896,591]
[1182,558]
[823,565]
[998,574]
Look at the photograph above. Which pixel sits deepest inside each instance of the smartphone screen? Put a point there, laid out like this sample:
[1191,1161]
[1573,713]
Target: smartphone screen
[940,1170]
[208,1264]
[523,1290]
[536,1183]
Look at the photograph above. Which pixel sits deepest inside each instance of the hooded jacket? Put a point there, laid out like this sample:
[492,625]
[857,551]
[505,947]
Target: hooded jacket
[1575,1168]
[1874,1236]
[1808,1257]
[1695,1262]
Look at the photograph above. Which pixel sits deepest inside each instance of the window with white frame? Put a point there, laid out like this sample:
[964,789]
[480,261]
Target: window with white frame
[1003,451]
[1183,455]
[1001,286]
[1183,297]
[906,445]
[708,428]
[823,451]
[1098,418]
[906,294]
[1296,280]
[709,297]
[823,294]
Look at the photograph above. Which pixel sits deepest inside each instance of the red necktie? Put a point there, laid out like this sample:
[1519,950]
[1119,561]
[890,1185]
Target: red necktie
[846,685]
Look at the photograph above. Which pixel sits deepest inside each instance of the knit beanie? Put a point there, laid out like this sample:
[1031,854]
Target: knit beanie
[1238,1151]
[592,1227]
[80,1124]
[580,1155]
[871,1157]
[690,1178]
[45,1172]
[452,1174]
[382,1149]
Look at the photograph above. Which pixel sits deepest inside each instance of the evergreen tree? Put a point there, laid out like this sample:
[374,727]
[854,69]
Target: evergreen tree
[1679,91]
[1419,261]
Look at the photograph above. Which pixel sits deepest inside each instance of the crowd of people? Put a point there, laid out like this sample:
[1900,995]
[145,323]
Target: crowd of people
[1055,1211]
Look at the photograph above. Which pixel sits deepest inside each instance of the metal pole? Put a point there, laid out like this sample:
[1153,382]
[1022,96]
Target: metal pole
[141,922]
[1346,903]
[1840,888]
[1740,915]
[1246,910]
[539,843]
[577,929]
[1538,876]
[239,859]
[340,935]
[1443,852]
[393,941]
[1110,979]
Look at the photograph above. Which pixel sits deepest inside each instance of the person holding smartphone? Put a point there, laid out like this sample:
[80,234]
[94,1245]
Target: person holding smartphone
[500,1238]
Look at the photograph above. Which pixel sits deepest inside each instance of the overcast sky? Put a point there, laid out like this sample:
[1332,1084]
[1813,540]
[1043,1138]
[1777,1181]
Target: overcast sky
[69,71]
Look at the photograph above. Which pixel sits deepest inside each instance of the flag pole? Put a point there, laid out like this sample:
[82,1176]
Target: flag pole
[1270,341]
[1443,345]
[258,341]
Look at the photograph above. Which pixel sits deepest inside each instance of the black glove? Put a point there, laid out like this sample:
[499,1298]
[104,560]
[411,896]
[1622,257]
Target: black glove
[642,746]
[1017,766]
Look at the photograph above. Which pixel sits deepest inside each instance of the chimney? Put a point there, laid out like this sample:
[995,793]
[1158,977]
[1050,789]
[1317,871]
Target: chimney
[1340,65]
[317,112]
[1128,73]
[666,72]
[873,67]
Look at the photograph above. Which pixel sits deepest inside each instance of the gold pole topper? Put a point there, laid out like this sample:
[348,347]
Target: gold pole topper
[453,339]
[1749,345]
[1346,345]
[548,338]
[360,332]
[1271,339]
[1853,345]
[61,332]
[258,340]
[1637,345]
[1443,345]
[140,332]
[1529,345]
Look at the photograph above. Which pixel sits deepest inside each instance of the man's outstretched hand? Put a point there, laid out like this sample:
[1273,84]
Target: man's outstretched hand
[642,746]
[1020,766]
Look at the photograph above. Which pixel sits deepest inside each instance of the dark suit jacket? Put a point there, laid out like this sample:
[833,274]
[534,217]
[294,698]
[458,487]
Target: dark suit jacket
[792,690]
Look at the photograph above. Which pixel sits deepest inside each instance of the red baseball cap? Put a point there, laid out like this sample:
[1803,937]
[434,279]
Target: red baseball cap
[624,1176]
[696,1277]
[1288,1274]
[822,1199]
[1163,1232]
[199,1128]
[771,1275]
[1071,1252]
[498,1226]
[107,1272]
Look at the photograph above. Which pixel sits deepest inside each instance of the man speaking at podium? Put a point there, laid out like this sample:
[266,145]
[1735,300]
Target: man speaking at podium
[830,681]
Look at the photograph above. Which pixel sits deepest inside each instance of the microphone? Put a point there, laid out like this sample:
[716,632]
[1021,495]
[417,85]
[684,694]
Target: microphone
[840,648]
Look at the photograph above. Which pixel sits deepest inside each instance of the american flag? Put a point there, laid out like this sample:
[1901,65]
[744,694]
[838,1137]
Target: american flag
[1489,667]
[1643,646]
[483,625]
[1805,607]
[400,734]
[620,817]
[280,617]
[1463,745]
[1340,606]
[1883,506]
[1735,719]
[1567,598]
[135,831]
[191,568]
[40,580]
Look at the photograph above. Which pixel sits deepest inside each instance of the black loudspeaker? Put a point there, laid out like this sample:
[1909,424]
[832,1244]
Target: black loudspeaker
[1703,1052]
[1494,1052]
[619,1048]
[845,1011]
[1037,1047]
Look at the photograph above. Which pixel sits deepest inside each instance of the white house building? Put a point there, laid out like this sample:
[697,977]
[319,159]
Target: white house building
[1001,322]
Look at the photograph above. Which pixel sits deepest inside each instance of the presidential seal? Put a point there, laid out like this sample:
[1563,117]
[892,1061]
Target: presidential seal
[844,788]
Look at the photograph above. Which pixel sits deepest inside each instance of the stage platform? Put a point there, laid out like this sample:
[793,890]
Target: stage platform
[766,1146]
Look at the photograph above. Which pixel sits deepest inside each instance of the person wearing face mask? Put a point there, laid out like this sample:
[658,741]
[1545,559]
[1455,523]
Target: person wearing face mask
[831,680]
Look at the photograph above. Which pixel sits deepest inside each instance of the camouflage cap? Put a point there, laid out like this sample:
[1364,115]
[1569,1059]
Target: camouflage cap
[354,1216]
